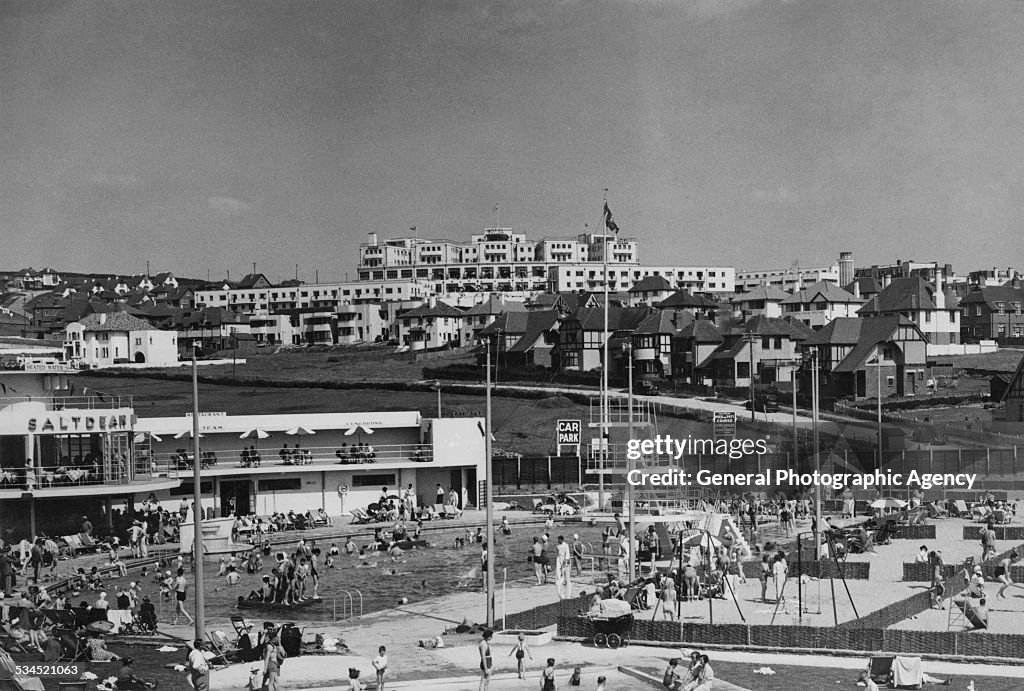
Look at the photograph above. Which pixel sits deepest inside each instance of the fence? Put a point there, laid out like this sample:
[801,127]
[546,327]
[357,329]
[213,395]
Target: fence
[531,472]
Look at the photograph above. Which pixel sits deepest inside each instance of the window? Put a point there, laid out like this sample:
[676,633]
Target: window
[742,370]
[766,342]
[138,341]
[279,483]
[890,381]
[778,343]
[374,480]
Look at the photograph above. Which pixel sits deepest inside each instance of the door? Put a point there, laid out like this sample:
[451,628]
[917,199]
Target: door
[237,493]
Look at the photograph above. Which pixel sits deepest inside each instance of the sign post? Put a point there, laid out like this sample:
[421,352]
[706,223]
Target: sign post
[569,433]
[724,424]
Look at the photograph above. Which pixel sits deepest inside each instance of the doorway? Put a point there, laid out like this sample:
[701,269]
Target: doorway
[237,494]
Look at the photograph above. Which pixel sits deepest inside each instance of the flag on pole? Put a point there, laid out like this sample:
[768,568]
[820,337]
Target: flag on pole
[609,223]
[413,229]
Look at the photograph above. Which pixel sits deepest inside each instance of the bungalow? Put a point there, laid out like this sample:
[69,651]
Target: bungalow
[433,325]
[855,355]
[820,303]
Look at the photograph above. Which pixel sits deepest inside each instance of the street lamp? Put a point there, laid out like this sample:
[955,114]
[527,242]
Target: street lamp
[877,364]
[197,499]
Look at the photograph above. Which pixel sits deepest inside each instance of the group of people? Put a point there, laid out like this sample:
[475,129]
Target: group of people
[295,456]
[521,651]
[699,676]
[357,453]
[294,577]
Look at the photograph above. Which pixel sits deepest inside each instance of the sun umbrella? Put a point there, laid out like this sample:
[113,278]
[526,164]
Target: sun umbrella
[352,430]
[188,433]
[255,433]
[888,503]
[300,431]
[143,436]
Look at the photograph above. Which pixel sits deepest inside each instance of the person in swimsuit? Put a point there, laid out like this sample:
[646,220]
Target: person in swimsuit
[1002,573]
[486,662]
[521,651]
[547,680]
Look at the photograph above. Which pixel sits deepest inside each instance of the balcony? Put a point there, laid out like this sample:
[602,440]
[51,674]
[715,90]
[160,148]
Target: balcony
[72,402]
[183,459]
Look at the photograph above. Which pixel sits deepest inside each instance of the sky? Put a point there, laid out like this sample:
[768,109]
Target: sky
[205,136]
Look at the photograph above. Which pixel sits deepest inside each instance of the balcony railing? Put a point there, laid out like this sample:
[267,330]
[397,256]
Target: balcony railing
[183,459]
[75,402]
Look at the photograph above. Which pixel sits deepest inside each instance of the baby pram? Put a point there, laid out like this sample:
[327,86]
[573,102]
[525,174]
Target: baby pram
[613,622]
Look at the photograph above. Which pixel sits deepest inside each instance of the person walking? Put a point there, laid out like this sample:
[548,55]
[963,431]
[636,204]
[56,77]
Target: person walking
[486,661]
[181,595]
[538,561]
[273,657]
[198,668]
[521,651]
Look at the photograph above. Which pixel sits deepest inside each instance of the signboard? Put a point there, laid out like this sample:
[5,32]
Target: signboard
[569,432]
[725,424]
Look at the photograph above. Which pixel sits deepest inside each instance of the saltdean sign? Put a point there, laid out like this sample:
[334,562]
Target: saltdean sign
[80,422]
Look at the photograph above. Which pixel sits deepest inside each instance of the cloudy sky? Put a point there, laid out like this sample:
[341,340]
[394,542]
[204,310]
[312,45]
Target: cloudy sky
[204,136]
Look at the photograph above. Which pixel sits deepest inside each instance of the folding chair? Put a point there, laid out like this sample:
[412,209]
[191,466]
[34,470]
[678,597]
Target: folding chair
[241,624]
[359,516]
[880,668]
[8,641]
[73,648]
[225,653]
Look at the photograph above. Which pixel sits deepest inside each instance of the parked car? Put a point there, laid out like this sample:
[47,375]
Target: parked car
[765,404]
[645,388]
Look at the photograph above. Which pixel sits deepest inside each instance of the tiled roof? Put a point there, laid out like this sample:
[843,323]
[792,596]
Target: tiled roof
[873,330]
[683,298]
[766,293]
[494,305]
[649,284]
[440,309]
[702,331]
[904,294]
[114,321]
[536,324]
[993,294]
[511,323]
[821,291]
[664,322]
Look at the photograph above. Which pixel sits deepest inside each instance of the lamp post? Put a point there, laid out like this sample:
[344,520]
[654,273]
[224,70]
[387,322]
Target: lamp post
[750,337]
[197,499]
[630,496]
[817,455]
[437,385]
[877,363]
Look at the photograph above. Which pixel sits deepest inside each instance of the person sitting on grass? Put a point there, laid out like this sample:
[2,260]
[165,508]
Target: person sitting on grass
[126,678]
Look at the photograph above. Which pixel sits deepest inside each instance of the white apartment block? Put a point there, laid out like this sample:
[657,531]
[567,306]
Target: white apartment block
[786,280]
[571,278]
[327,295]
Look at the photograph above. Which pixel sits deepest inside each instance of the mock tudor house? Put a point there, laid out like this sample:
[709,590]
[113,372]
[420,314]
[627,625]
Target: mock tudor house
[927,305]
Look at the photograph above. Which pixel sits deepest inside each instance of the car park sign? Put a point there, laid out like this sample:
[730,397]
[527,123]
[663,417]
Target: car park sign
[569,433]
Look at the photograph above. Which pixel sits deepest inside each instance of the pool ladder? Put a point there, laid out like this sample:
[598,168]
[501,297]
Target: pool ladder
[348,610]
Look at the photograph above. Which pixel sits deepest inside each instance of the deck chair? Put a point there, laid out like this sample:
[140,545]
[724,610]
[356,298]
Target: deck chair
[8,642]
[935,511]
[241,625]
[907,673]
[10,679]
[451,511]
[961,508]
[359,516]
[225,653]
[880,668]
[73,648]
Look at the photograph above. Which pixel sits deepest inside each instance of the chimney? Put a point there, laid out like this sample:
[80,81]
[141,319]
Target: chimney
[103,317]
[940,297]
[373,239]
[432,301]
[856,288]
[886,280]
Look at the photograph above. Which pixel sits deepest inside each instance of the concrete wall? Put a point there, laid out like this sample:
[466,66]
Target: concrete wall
[962,348]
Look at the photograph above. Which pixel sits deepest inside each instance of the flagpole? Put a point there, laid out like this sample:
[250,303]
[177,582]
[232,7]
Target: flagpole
[604,369]
[197,511]
[491,561]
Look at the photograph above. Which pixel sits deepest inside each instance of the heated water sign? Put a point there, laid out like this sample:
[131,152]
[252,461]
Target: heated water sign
[725,424]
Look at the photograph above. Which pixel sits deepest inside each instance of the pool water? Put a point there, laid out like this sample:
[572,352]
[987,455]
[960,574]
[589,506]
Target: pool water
[439,569]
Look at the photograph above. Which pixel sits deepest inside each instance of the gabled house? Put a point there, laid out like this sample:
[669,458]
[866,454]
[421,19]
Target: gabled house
[864,287]
[856,355]
[114,338]
[764,348]
[697,305]
[483,313]
[536,345]
[252,281]
[433,325]
[649,290]
[927,305]
[765,301]
[692,349]
[582,335]
[992,312]
[652,342]
[820,303]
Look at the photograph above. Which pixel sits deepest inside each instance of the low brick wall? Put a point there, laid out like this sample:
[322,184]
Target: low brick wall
[1003,532]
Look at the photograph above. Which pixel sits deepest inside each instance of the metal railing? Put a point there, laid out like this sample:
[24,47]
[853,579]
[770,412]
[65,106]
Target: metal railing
[73,402]
[184,459]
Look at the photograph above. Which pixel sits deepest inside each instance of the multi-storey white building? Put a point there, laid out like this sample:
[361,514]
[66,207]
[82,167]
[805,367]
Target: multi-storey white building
[786,280]
[327,295]
[500,261]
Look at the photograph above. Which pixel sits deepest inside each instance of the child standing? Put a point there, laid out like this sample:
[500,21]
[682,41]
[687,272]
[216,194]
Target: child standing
[380,664]
[547,680]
